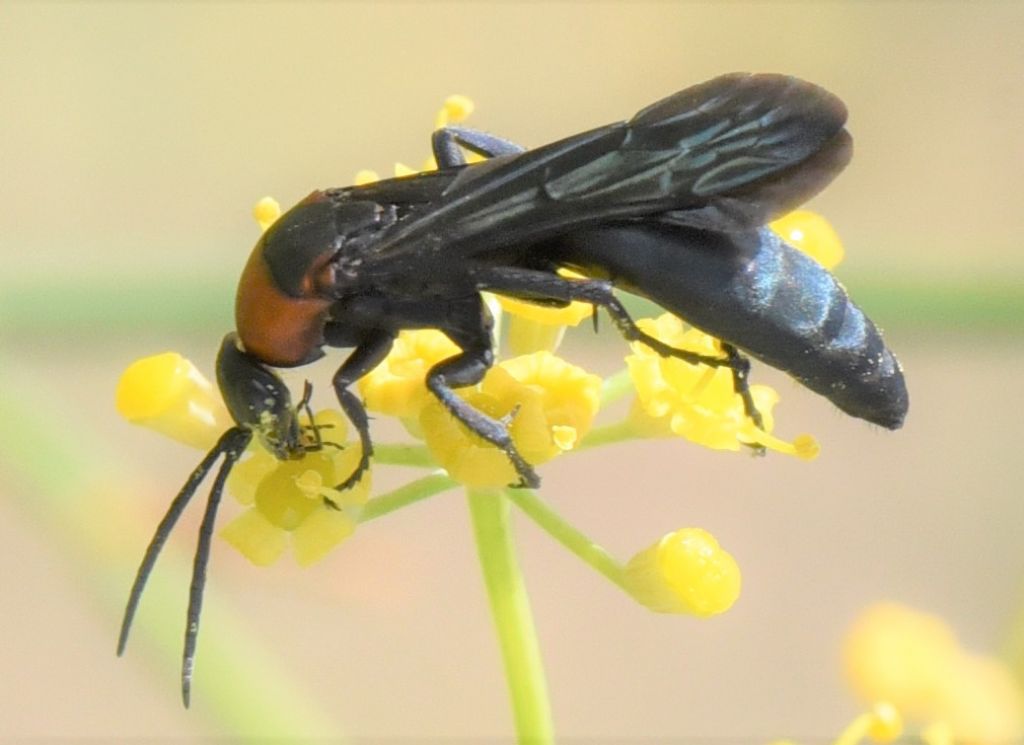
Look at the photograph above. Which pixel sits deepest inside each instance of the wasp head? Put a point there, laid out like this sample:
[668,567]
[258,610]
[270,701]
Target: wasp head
[259,400]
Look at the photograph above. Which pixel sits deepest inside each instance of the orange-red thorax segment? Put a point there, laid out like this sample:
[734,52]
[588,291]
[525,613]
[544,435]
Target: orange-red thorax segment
[274,327]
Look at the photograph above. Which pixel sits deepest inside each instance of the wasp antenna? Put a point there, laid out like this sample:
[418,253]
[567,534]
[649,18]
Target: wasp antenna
[163,530]
[232,444]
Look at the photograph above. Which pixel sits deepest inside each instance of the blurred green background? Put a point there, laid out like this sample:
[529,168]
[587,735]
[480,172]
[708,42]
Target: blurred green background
[134,141]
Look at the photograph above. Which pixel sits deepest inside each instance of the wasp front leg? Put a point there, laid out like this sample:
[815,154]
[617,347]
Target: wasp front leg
[370,352]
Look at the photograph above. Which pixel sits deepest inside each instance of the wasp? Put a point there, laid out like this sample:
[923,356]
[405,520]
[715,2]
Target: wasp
[670,205]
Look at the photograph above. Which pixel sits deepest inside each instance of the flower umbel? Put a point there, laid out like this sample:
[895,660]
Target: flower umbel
[548,406]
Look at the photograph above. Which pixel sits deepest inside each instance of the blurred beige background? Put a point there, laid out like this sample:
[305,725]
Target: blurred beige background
[135,139]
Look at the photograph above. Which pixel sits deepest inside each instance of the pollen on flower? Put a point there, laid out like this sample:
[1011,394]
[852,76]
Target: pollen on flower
[914,660]
[699,402]
[550,403]
[167,393]
[685,572]
[812,234]
[295,501]
[266,211]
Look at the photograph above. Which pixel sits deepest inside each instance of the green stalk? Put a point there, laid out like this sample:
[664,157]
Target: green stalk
[401,454]
[616,387]
[609,434]
[510,608]
[556,526]
[71,499]
[406,494]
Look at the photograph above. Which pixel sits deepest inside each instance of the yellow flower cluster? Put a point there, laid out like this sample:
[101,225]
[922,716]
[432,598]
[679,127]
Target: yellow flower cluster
[549,404]
[699,402]
[296,499]
[914,660]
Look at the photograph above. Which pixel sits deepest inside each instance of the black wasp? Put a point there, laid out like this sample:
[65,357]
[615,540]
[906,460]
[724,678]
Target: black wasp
[670,205]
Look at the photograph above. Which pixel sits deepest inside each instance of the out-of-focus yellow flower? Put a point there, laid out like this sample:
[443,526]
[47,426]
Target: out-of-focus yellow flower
[165,392]
[455,110]
[882,723]
[812,234]
[266,211]
[397,386]
[915,661]
[551,405]
[685,572]
[297,497]
[700,402]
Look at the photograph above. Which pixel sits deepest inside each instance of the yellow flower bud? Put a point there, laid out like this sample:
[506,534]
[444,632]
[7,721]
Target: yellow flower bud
[166,393]
[812,234]
[266,212]
[685,572]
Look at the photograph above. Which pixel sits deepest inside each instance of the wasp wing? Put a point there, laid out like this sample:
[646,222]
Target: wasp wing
[729,154]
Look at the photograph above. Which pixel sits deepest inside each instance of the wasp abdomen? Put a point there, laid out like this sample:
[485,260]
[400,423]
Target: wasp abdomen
[756,292]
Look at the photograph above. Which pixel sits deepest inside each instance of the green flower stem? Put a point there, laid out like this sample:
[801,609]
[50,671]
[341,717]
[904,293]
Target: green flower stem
[609,434]
[615,387]
[510,608]
[414,491]
[400,454]
[556,526]
[67,493]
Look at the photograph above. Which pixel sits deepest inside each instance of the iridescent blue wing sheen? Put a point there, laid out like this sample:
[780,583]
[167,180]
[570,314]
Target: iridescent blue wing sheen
[729,155]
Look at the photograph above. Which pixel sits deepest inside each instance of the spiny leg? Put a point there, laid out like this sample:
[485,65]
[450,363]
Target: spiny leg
[527,283]
[469,368]
[740,366]
[202,561]
[236,437]
[370,353]
[448,142]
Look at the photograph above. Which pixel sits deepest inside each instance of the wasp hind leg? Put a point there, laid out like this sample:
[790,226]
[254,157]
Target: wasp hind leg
[529,283]
[448,142]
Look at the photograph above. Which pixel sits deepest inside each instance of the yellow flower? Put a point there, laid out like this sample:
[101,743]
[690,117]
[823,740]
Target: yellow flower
[551,405]
[297,497]
[266,211]
[812,234]
[915,661]
[397,386]
[700,402]
[685,572]
[533,327]
[882,724]
[454,110]
[166,393]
